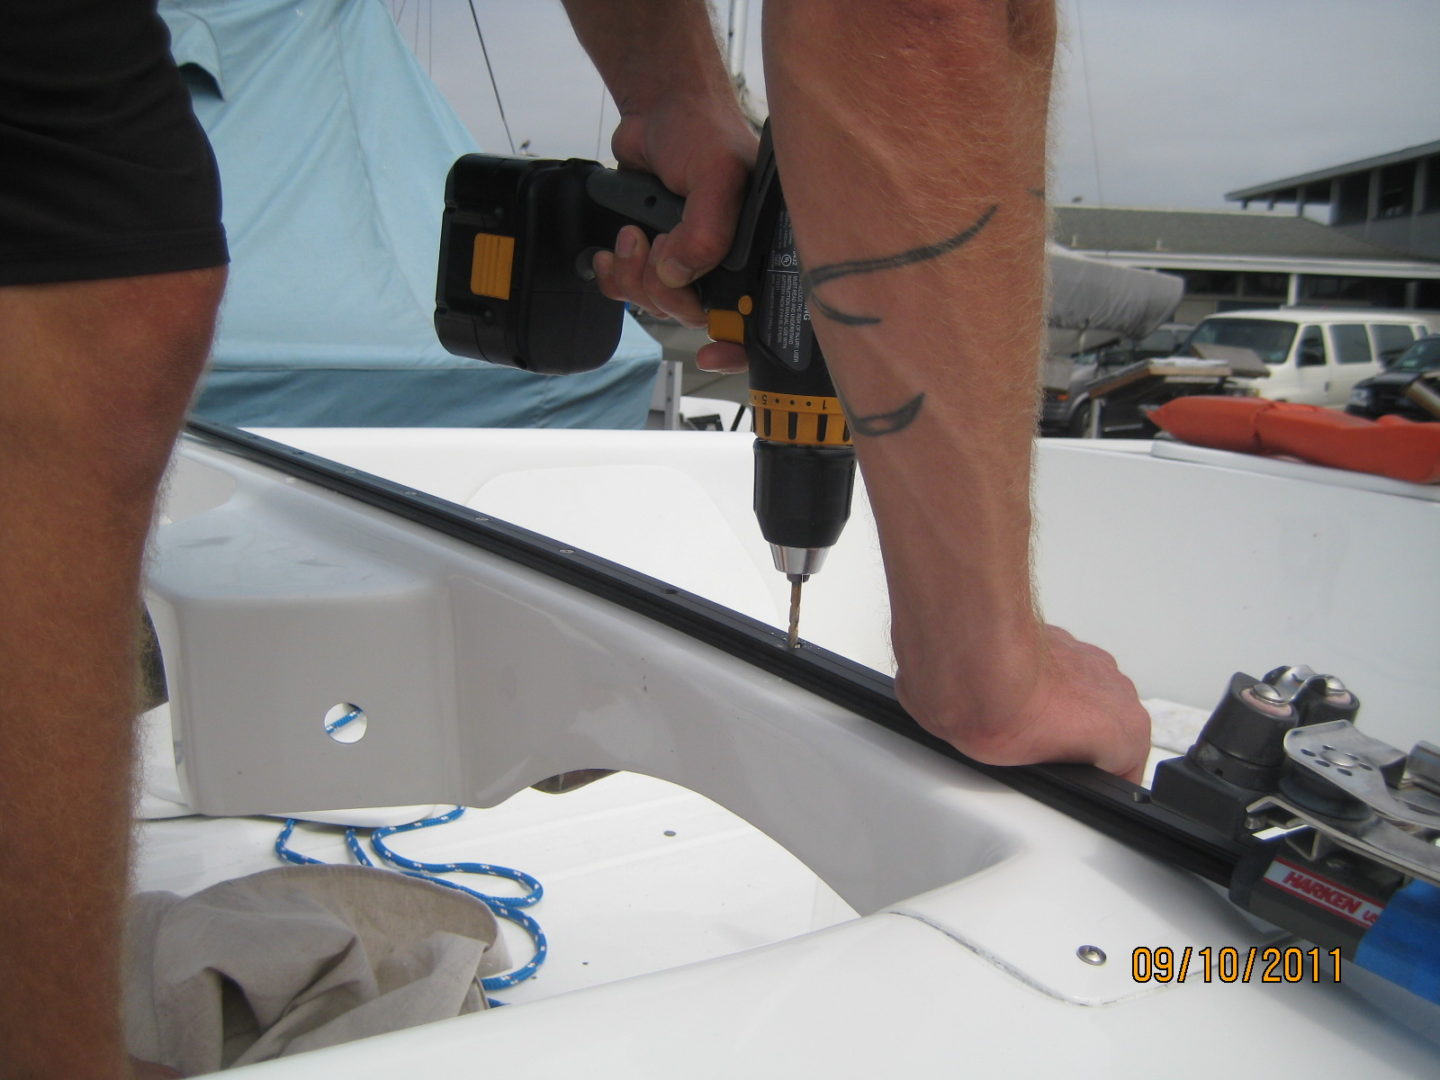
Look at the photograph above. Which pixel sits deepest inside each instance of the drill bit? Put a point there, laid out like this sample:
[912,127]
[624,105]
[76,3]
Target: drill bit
[793,639]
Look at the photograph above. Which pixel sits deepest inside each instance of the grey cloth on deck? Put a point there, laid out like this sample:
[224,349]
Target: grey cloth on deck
[297,959]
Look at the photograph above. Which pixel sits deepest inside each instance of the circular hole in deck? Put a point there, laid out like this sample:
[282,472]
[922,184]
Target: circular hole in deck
[346,723]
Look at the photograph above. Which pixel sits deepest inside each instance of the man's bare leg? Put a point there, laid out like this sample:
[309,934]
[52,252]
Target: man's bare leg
[95,378]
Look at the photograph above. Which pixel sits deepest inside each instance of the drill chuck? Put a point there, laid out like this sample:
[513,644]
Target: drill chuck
[802,501]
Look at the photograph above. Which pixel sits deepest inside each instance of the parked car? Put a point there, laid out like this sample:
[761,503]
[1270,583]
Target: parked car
[1313,356]
[1384,394]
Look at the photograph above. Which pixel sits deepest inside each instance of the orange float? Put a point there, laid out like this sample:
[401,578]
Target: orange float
[1391,446]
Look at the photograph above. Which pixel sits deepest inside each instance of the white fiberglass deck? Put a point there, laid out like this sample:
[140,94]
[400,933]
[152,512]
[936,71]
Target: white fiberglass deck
[975,899]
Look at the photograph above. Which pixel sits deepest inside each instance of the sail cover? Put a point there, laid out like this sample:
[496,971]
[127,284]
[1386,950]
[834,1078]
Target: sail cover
[333,148]
[1099,299]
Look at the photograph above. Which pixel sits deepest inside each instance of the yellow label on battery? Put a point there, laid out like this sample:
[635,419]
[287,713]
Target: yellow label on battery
[726,326]
[806,420]
[491,264]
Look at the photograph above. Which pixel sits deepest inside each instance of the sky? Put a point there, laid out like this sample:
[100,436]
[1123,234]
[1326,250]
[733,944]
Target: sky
[1159,103]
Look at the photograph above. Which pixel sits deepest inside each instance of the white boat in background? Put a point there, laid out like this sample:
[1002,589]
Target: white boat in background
[781,881]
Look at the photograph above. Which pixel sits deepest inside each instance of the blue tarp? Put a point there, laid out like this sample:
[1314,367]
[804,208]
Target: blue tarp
[333,148]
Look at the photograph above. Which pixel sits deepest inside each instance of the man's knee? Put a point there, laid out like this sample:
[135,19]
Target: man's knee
[102,371]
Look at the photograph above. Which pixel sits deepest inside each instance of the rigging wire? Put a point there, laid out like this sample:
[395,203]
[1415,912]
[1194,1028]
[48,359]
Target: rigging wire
[1089,102]
[600,121]
[499,105]
[430,39]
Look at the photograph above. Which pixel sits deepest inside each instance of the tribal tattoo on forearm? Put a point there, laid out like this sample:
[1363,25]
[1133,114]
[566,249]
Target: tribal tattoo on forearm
[886,423]
[813,279]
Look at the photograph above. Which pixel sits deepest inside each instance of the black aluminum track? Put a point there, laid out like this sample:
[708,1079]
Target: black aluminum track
[1107,803]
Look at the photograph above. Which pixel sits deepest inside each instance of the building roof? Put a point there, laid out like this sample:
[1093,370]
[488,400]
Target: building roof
[1227,233]
[1288,186]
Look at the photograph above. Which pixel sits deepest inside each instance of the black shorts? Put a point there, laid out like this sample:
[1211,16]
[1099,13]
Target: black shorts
[104,170]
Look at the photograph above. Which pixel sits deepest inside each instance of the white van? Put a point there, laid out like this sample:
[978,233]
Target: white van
[1313,355]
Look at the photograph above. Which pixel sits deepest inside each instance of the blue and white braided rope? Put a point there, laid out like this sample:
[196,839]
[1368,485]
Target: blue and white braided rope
[503,907]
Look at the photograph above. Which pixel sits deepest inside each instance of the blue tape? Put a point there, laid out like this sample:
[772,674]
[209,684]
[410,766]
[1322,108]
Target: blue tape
[1404,944]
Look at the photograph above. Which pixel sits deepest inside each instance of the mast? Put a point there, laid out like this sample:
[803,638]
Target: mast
[735,41]
[735,38]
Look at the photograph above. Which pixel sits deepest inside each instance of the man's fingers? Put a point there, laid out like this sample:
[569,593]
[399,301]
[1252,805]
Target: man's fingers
[620,274]
[677,302]
[627,278]
[722,358]
[707,229]
[629,274]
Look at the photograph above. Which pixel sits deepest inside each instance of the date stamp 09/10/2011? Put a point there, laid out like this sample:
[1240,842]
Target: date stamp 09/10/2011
[1268,964]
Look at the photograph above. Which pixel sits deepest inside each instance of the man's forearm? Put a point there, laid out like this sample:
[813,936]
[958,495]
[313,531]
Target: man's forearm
[911,140]
[915,170]
[650,52]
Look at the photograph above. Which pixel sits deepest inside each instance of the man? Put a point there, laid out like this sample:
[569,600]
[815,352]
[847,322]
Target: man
[906,132]
[110,273]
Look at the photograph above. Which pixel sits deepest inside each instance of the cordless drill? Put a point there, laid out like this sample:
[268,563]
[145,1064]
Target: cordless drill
[515,287]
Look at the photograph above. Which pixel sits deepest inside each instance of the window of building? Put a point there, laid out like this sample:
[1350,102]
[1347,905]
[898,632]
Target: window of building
[1211,282]
[1397,190]
[1316,194]
[1330,289]
[1247,305]
[1352,202]
[1352,344]
[1386,292]
[1264,286]
[1430,197]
